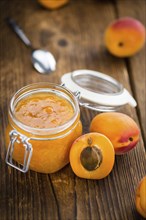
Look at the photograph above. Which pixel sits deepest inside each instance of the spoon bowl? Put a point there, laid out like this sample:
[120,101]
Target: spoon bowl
[43,61]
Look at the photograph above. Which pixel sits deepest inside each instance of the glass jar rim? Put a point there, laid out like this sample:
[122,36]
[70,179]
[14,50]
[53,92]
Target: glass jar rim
[39,87]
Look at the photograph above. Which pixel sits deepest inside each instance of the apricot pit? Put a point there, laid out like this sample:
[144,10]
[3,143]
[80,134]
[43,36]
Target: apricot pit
[91,157]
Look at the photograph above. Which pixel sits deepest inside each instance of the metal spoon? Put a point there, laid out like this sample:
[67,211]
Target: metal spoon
[42,60]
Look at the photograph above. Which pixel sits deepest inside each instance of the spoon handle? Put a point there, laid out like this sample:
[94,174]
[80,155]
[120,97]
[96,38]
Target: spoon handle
[18,31]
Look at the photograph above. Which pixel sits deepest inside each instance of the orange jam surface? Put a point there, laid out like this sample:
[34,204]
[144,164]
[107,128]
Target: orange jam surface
[44,110]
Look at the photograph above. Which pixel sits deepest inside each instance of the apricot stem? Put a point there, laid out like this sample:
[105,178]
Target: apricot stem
[91,158]
[130,139]
[121,44]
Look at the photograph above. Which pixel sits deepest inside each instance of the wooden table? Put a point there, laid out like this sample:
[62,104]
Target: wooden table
[74,34]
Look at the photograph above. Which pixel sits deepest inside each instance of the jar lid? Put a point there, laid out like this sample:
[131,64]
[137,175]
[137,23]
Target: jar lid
[97,91]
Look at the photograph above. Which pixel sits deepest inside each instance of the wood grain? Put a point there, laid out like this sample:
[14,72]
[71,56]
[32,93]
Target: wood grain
[74,34]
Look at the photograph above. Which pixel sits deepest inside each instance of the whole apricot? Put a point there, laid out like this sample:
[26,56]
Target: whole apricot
[125,37]
[140,199]
[53,4]
[92,156]
[121,129]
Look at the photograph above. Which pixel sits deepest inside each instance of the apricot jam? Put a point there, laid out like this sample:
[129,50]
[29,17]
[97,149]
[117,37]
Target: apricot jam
[43,110]
[44,120]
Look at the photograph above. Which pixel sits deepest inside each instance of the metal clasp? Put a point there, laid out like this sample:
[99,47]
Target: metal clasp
[77,93]
[20,139]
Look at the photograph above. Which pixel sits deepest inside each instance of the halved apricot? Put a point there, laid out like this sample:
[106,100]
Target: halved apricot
[92,156]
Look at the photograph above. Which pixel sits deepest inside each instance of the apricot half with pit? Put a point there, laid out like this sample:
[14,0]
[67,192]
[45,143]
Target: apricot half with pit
[121,129]
[140,199]
[92,156]
[125,37]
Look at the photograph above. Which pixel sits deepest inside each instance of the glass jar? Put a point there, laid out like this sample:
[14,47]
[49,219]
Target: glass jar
[44,150]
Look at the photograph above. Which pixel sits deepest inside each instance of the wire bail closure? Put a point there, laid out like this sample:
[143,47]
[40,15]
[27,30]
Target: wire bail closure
[16,137]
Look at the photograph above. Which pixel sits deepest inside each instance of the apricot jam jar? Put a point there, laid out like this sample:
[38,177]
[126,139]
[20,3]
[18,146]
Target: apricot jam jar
[44,120]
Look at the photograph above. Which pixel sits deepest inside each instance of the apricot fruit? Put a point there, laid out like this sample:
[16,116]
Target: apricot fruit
[124,37]
[121,129]
[140,199]
[53,4]
[92,156]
